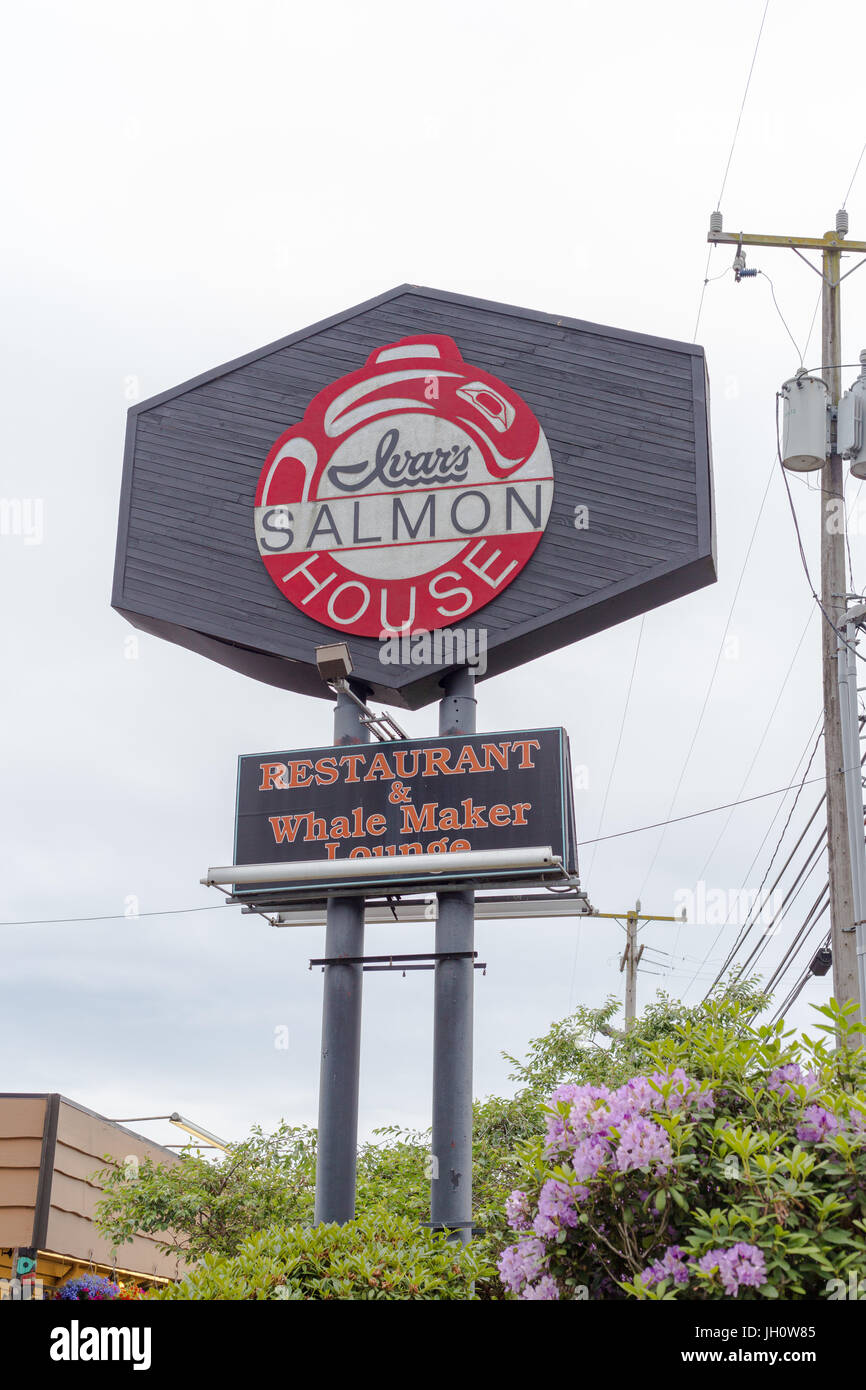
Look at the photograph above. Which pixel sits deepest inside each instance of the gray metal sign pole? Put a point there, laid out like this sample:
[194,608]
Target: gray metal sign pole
[451,1169]
[337,1148]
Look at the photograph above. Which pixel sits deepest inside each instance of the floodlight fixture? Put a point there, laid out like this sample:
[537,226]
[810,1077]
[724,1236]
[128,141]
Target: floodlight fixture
[198,1131]
[334,661]
[444,865]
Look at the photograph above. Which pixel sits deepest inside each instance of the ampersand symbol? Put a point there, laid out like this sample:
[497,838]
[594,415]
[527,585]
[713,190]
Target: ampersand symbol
[399,794]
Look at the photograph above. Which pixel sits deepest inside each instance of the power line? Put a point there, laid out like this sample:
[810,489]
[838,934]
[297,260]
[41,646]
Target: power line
[819,906]
[782,316]
[802,980]
[759,949]
[708,811]
[761,743]
[788,901]
[619,740]
[743,106]
[707,280]
[709,689]
[840,635]
[113,916]
[595,843]
[743,785]
[812,323]
[745,928]
[854,175]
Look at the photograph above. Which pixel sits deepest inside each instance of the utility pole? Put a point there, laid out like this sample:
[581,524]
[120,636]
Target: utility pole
[854,783]
[833,580]
[629,962]
[630,958]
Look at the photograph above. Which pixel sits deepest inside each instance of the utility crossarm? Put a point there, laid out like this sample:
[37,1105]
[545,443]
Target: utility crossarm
[833,241]
[638,917]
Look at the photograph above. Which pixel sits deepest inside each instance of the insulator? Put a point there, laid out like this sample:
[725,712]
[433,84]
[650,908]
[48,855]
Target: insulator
[842,222]
[747,271]
[715,221]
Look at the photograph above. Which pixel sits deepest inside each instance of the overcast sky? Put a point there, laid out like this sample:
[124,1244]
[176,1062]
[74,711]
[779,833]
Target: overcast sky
[186,182]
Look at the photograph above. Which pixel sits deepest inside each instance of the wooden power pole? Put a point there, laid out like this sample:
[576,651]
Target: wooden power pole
[834,585]
[629,962]
[630,958]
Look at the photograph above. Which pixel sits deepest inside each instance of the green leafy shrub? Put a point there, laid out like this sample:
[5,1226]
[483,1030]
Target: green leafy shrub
[380,1255]
[198,1207]
[734,1165]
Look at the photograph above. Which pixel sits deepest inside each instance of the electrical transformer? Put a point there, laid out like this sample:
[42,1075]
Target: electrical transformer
[850,432]
[806,423]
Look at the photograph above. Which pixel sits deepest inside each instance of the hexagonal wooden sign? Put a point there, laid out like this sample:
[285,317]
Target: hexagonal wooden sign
[432,478]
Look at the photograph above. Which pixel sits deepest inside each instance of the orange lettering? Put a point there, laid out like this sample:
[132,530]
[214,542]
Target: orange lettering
[273,775]
[498,752]
[468,760]
[297,777]
[379,768]
[436,760]
[285,827]
[422,820]
[525,744]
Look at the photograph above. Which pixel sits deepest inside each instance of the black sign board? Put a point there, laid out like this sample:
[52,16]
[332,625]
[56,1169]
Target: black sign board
[399,799]
[439,480]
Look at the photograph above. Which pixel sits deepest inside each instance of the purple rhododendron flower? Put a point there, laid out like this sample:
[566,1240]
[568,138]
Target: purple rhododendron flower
[589,1156]
[522,1263]
[562,1133]
[588,1109]
[740,1266]
[681,1091]
[747,1265]
[782,1078]
[518,1212]
[546,1288]
[818,1123]
[555,1208]
[643,1144]
[635,1097]
[672,1265]
[594,1111]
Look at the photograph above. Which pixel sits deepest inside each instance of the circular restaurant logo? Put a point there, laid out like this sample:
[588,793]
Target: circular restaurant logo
[412,492]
